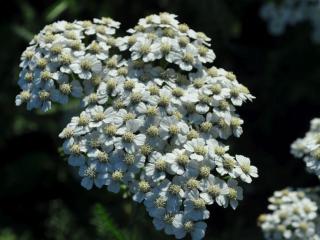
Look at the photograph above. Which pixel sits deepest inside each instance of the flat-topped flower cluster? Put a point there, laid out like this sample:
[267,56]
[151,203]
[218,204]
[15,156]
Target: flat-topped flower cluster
[308,148]
[294,215]
[154,115]
[290,13]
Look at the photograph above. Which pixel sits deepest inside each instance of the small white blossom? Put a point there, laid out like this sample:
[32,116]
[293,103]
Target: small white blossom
[245,170]
[85,66]
[91,176]
[184,224]
[235,193]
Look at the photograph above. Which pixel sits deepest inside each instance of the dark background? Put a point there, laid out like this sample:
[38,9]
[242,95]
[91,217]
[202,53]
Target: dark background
[39,196]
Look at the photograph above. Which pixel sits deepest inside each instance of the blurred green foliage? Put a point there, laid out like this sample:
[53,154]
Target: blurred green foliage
[105,226]
[40,195]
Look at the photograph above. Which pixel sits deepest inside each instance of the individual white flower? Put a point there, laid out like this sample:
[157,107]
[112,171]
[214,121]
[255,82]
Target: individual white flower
[189,181]
[235,124]
[216,150]
[149,21]
[195,206]
[240,94]
[24,97]
[184,225]
[129,140]
[109,130]
[163,101]
[214,189]
[178,161]
[85,66]
[227,165]
[156,167]
[102,157]
[76,150]
[67,132]
[123,43]
[154,202]
[143,49]
[137,95]
[39,98]
[99,49]
[44,77]
[167,47]
[102,30]
[202,169]
[197,149]
[27,56]
[164,222]
[94,96]
[116,175]
[174,193]
[107,21]
[65,58]
[95,140]
[98,116]
[26,78]
[135,162]
[151,113]
[245,170]
[91,176]
[205,54]
[186,59]
[222,123]
[66,89]
[175,129]
[219,91]
[81,123]
[141,189]
[77,47]
[235,193]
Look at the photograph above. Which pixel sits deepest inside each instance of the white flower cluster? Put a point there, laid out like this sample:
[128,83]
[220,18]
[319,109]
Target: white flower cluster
[59,57]
[308,148]
[292,12]
[153,119]
[294,215]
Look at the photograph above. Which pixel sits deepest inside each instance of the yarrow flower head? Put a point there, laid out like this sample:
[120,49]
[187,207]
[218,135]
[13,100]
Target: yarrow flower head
[155,113]
[308,148]
[290,13]
[294,215]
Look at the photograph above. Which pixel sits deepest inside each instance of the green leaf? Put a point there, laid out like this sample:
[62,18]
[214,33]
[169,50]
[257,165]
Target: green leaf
[104,224]
[56,10]
[27,11]
[22,32]
[7,234]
